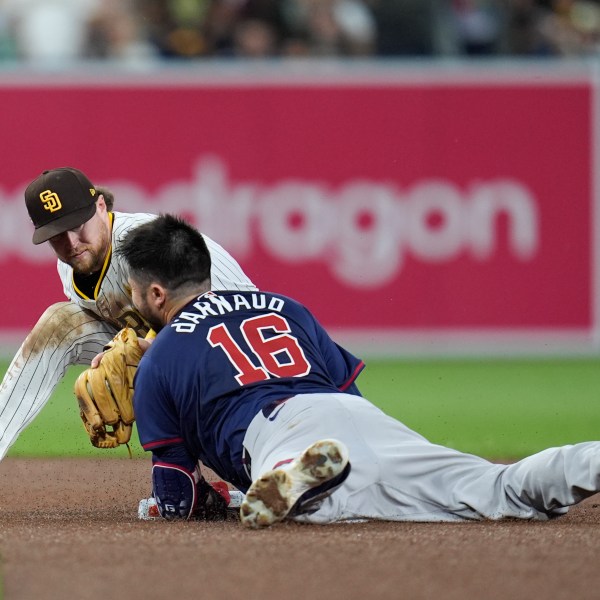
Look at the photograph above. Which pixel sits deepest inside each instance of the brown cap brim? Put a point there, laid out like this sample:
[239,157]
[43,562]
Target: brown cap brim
[64,223]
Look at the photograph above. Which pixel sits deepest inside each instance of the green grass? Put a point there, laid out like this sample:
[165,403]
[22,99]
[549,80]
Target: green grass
[494,408]
[58,430]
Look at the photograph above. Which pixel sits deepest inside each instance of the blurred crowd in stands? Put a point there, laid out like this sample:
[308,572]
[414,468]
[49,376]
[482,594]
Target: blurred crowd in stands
[134,31]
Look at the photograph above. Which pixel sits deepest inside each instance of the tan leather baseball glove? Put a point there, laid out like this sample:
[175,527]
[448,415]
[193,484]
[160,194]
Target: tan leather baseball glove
[105,393]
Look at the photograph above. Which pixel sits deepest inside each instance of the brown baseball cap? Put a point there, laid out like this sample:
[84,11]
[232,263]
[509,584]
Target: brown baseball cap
[59,200]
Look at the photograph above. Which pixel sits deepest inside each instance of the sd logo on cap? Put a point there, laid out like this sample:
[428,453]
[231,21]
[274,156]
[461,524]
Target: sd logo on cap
[59,200]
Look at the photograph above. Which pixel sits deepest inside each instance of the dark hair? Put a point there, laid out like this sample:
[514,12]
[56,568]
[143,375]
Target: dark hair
[166,250]
[109,198]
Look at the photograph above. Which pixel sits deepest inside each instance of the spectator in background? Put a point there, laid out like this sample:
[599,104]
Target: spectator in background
[522,31]
[246,28]
[49,32]
[253,38]
[329,28]
[261,28]
[7,40]
[480,26]
[406,28]
[570,28]
[134,31]
[114,32]
[176,29]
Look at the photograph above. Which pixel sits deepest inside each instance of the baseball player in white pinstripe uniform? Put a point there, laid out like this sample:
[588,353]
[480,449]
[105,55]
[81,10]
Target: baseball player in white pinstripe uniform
[76,218]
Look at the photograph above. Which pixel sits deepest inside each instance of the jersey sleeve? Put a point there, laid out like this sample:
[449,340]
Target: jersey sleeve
[64,274]
[342,366]
[225,272]
[155,415]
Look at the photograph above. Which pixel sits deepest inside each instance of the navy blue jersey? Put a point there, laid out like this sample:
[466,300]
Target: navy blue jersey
[221,360]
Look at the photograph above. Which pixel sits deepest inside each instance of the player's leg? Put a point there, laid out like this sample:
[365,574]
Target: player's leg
[554,479]
[397,474]
[281,448]
[419,480]
[64,335]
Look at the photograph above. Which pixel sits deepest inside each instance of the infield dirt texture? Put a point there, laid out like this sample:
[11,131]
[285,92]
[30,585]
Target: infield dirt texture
[69,530]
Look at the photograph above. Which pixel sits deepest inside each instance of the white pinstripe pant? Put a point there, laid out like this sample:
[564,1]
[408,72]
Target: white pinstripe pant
[65,334]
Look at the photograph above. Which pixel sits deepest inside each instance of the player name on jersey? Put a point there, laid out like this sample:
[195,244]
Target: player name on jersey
[214,305]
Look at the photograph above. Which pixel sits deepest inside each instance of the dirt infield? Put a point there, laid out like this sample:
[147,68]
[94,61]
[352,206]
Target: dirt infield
[69,529]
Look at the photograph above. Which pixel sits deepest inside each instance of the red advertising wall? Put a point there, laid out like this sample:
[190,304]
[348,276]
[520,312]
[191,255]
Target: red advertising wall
[395,209]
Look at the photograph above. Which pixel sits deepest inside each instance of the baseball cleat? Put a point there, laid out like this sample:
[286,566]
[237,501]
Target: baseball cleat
[273,496]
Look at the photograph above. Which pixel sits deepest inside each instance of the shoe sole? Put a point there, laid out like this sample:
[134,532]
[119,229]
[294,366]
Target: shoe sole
[271,497]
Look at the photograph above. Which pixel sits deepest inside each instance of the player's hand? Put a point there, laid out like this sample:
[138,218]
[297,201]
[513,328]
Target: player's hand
[213,500]
[105,393]
[143,343]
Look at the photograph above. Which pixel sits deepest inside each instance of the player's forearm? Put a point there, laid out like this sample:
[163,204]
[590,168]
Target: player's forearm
[175,454]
